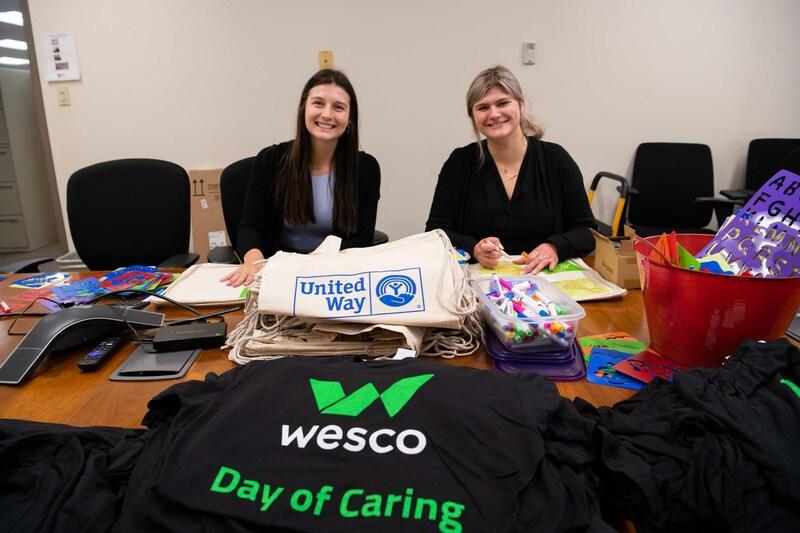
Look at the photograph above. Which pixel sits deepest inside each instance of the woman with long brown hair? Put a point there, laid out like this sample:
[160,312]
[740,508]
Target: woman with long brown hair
[316,185]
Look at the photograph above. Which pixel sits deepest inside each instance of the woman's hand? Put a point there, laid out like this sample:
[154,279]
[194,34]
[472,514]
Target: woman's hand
[246,273]
[487,252]
[543,256]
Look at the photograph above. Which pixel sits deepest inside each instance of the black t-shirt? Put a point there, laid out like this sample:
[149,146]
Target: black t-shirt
[62,478]
[333,444]
[716,450]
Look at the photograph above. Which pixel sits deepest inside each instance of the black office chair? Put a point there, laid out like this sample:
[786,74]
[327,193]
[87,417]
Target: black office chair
[764,159]
[130,211]
[24,265]
[233,187]
[672,185]
[792,161]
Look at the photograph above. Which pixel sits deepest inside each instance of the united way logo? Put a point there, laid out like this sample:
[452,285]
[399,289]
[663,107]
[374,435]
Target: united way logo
[396,290]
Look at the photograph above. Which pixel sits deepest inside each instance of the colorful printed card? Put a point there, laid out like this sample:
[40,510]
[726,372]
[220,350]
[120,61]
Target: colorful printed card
[82,288]
[649,365]
[128,280]
[601,370]
[38,281]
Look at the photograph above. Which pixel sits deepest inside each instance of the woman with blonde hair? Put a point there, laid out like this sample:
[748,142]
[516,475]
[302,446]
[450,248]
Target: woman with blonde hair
[510,191]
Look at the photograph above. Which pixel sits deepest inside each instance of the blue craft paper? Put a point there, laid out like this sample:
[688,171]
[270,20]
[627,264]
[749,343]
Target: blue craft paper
[603,360]
[80,288]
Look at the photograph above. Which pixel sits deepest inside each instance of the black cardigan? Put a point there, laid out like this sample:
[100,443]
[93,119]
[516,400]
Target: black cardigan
[549,202]
[262,219]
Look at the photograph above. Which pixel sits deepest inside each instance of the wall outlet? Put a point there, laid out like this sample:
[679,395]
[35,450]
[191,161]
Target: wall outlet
[62,94]
[325,59]
[528,53]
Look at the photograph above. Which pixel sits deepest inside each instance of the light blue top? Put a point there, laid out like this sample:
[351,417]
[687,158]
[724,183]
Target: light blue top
[307,238]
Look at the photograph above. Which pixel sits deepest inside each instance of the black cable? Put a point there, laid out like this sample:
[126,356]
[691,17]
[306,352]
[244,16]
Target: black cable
[24,313]
[140,291]
[202,317]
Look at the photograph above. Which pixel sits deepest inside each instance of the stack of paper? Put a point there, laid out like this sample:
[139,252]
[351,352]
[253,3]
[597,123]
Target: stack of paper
[201,285]
[573,276]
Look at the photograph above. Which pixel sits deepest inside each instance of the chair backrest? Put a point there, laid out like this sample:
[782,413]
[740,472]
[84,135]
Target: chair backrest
[668,177]
[764,158]
[129,211]
[233,187]
[792,161]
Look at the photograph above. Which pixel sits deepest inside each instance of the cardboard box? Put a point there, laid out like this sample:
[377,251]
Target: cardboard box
[208,224]
[615,260]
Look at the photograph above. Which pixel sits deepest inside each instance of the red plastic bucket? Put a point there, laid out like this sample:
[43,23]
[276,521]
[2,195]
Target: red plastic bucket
[698,318]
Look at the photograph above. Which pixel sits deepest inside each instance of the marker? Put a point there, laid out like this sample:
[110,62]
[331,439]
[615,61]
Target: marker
[503,283]
[4,306]
[524,286]
[499,248]
[529,302]
[552,336]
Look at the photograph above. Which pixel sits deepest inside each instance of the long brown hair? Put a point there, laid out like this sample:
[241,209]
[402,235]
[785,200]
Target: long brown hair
[293,190]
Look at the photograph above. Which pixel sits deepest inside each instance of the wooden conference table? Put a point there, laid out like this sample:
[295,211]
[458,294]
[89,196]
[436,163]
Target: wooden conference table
[59,392]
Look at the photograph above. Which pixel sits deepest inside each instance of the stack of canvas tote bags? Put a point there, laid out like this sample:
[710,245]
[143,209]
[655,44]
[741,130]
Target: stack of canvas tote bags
[410,293]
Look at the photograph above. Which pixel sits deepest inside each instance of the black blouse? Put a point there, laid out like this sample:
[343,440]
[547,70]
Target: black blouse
[262,219]
[549,202]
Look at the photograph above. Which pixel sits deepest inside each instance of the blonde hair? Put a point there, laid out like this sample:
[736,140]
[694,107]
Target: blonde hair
[500,76]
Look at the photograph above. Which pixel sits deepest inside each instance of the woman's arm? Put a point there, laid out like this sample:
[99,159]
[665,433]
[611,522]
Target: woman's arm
[256,229]
[255,232]
[576,240]
[448,200]
[369,192]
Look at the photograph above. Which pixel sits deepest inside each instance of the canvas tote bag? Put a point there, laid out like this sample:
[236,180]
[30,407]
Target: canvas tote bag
[265,333]
[414,281]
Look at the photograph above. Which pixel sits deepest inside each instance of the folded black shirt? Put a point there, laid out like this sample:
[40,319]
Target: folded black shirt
[716,450]
[335,445]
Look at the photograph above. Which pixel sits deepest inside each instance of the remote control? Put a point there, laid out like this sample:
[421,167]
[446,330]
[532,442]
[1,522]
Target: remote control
[100,354]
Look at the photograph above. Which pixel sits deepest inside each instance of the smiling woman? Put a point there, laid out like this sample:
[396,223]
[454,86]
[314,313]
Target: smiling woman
[317,185]
[510,192]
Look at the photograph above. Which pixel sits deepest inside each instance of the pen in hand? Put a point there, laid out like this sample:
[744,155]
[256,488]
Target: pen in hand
[498,248]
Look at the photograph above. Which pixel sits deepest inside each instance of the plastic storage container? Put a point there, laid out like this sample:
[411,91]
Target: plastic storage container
[501,323]
[564,364]
[698,318]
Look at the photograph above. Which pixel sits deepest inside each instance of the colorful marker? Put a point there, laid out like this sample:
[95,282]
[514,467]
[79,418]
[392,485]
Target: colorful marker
[498,248]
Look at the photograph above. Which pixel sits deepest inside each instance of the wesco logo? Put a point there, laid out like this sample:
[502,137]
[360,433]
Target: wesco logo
[332,400]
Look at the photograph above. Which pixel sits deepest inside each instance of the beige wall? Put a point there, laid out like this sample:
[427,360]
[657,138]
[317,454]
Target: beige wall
[203,83]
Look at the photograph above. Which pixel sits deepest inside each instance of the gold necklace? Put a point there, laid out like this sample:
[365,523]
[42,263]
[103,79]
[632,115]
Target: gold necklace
[512,177]
[506,176]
